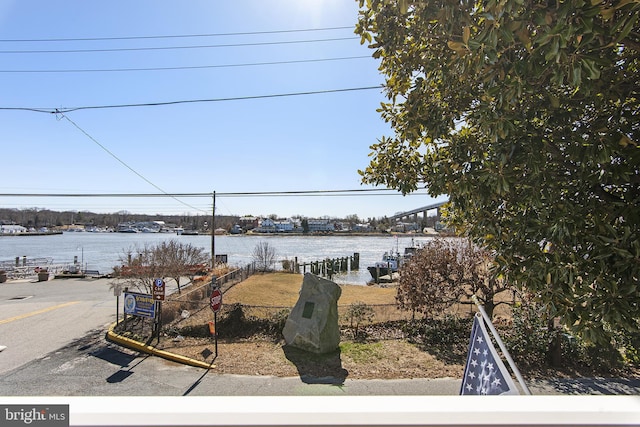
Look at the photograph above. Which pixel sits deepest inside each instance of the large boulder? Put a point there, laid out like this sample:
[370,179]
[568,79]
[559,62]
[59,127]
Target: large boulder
[313,322]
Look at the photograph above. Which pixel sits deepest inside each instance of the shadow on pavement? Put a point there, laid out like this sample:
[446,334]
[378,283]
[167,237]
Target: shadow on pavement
[119,358]
[317,368]
[199,380]
[123,374]
[114,356]
[596,386]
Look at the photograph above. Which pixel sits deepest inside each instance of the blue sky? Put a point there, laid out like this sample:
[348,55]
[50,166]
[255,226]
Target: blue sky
[289,143]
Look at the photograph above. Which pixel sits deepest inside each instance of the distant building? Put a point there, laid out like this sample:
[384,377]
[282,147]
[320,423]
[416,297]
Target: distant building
[362,227]
[284,225]
[12,229]
[403,227]
[248,222]
[320,225]
[268,225]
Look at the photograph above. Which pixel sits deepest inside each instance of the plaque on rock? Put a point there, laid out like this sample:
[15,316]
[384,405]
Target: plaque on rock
[312,324]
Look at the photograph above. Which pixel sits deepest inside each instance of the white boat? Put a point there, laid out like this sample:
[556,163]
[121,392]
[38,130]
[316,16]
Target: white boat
[387,266]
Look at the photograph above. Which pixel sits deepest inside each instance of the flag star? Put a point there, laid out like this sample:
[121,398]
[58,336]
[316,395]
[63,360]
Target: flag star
[484,373]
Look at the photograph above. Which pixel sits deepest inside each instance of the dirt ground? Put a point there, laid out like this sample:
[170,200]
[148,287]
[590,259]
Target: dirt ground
[259,355]
[386,359]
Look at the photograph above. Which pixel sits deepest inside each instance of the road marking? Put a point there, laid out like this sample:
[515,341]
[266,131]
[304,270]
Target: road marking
[33,313]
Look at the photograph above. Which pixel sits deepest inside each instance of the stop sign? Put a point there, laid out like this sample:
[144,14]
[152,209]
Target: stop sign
[216,300]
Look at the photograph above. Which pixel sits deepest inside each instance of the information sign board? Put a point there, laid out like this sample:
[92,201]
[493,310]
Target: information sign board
[141,305]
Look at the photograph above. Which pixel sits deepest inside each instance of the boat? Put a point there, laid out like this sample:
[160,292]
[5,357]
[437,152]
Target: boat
[391,262]
[127,227]
[410,251]
[189,232]
[128,230]
[387,266]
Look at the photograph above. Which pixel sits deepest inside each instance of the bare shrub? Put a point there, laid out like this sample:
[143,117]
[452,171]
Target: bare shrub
[444,273]
[264,256]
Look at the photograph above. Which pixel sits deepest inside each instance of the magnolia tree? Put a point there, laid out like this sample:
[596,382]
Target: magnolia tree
[526,113]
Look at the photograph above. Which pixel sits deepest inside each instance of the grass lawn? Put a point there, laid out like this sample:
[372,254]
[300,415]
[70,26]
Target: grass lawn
[282,289]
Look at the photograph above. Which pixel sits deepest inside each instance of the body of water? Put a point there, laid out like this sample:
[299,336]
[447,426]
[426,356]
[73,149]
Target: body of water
[102,251]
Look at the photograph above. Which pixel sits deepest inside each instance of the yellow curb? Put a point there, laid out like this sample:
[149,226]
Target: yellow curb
[136,345]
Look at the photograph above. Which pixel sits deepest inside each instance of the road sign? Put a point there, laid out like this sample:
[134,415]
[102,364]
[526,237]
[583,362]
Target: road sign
[117,290]
[158,290]
[216,300]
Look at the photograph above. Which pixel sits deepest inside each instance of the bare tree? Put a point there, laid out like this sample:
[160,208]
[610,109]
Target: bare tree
[264,256]
[140,266]
[181,260]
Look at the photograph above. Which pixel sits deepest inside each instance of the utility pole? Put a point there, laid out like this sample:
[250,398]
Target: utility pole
[213,232]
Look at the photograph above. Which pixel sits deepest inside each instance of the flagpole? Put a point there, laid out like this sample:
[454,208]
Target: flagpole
[503,348]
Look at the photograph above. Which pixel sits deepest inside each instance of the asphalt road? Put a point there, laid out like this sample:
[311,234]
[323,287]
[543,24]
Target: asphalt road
[37,318]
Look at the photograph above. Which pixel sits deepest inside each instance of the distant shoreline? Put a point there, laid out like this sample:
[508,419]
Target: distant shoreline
[282,234]
[32,233]
[346,234]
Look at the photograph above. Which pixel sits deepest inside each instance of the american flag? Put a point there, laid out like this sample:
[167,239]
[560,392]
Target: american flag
[484,373]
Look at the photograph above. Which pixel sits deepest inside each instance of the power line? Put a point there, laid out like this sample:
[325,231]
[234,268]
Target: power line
[138,49]
[299,193]
[176,36]
[195,67]
[125,164]
[191,101]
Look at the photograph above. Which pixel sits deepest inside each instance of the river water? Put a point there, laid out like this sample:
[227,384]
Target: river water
[102,251]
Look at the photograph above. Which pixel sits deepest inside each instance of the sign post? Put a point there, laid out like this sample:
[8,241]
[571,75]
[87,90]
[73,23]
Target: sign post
[158,296]
[117,291]
[216,303]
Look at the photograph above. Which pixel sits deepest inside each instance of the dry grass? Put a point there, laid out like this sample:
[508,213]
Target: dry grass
[387,359]
[282,289]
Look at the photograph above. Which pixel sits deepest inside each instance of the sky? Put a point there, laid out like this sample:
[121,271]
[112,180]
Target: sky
[257,126]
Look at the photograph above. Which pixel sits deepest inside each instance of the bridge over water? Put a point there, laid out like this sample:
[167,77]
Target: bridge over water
[412,215]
